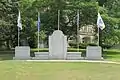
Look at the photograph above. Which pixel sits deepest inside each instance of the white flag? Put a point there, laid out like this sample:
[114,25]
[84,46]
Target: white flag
[19,21]
[100,22]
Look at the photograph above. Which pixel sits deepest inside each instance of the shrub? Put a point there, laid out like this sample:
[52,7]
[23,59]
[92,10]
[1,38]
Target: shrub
[106,46]
[92,44]
[73,44]
[83,45]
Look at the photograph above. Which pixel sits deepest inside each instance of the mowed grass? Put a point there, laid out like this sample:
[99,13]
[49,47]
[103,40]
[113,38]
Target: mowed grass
[112,55]
[23,70]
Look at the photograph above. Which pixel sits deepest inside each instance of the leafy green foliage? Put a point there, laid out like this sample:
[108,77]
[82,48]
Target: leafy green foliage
[109,9]
[8,10]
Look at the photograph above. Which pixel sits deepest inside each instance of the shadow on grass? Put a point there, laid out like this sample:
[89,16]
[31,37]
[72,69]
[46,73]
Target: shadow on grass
[111,54]
[6,55]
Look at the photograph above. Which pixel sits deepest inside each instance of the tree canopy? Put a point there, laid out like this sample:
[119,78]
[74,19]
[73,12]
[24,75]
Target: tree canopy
[109,9]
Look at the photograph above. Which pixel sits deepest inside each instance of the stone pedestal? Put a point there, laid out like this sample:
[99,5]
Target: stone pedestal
[74,56]
[57,45]
[41,56]
[22,53]
[94,52]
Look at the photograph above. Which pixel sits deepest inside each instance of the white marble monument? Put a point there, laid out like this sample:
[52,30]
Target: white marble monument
[22,53]
[57,49]
[94,52]
[57,45]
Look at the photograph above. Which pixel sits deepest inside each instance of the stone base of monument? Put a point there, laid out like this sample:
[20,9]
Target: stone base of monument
[46,56]
[73,56]
[41,56]
[22,53]
[22,58]
[56,58]
[94,52]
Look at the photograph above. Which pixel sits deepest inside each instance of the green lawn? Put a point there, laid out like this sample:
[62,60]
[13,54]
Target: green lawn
[21,70]
[112,55]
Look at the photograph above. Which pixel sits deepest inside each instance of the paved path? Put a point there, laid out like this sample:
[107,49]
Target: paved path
[92,61]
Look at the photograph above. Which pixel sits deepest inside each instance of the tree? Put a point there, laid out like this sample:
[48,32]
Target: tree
[110,13]
[8,11]
[48,14]
[48,9]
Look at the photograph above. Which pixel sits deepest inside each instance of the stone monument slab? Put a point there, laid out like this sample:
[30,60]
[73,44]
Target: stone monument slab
[57,45]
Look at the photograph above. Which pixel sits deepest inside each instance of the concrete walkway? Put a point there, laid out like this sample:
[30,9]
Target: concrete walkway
[90,61]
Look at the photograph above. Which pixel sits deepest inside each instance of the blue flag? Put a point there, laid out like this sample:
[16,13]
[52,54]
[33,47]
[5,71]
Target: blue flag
[38,22]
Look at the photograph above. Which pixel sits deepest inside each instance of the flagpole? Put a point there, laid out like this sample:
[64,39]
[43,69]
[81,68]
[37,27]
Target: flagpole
[18,36]
[58,19]
[38,34]
[98,32]
[98,36]
[100,25]
[38,41]
[19,25]
[78,29]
